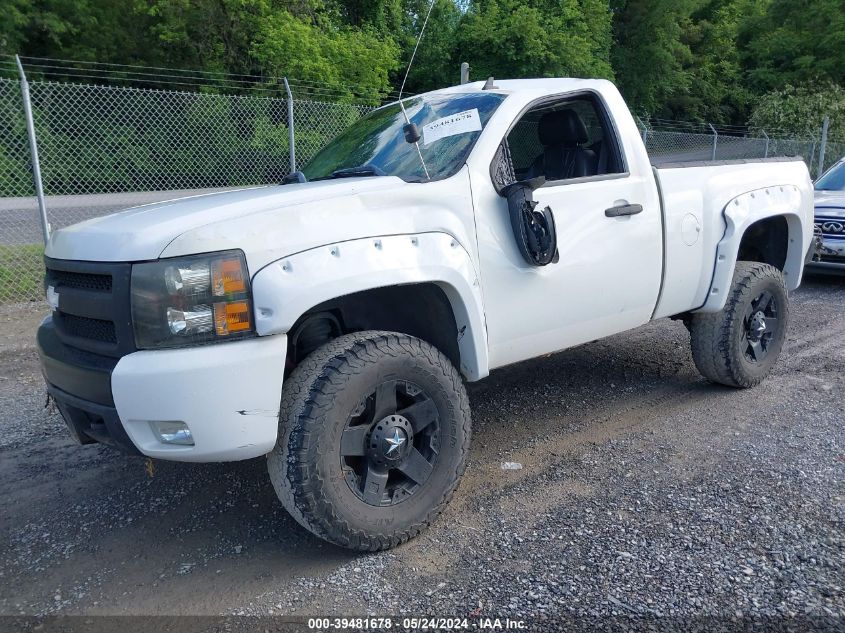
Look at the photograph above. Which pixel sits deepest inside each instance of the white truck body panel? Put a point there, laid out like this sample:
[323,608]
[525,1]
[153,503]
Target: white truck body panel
[309,243]
[698,202]
[227,394]
[269,223]
[527,314]
[286,289]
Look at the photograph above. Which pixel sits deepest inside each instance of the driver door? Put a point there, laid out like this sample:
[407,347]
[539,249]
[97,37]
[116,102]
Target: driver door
[607,275]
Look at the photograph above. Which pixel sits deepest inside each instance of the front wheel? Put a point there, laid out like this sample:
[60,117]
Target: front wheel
[374,433]
[739,345]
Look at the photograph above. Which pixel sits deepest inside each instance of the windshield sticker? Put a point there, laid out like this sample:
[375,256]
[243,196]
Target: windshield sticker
[459,123]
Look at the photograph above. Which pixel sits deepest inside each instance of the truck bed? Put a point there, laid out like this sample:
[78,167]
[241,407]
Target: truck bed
[694,197]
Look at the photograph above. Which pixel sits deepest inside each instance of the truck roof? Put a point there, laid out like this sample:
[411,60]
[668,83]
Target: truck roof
[545,85]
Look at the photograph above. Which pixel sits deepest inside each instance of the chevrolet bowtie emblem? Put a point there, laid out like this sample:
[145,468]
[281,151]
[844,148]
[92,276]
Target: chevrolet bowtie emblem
[52,297]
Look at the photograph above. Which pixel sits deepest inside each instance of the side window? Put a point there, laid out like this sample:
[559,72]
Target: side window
[566,139]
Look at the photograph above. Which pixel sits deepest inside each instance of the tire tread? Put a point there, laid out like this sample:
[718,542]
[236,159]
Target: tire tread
[308,395]
[712,333]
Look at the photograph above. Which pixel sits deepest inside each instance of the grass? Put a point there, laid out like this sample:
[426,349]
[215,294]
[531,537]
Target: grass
[21,272]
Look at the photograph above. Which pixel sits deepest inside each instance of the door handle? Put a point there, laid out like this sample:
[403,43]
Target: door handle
[624,209]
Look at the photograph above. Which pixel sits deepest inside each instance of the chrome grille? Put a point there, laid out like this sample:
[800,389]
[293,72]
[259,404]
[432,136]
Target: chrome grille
[830,227]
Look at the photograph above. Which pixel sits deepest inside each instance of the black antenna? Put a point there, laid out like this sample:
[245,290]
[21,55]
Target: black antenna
[411,131]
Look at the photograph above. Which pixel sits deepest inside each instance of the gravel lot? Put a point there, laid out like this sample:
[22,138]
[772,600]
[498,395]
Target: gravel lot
[644,490]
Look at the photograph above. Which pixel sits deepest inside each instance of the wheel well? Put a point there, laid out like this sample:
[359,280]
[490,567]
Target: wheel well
[420,310]
[766,241]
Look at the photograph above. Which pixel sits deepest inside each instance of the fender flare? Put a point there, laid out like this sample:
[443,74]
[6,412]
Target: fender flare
[287,288]
[740,213]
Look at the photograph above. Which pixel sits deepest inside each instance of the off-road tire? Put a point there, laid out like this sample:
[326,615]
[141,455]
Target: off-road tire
[317,400]
[717,338]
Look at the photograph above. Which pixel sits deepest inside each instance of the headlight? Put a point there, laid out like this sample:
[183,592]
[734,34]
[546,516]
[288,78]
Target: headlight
[191,300]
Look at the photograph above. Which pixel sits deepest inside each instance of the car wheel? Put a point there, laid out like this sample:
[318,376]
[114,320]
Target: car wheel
[739,345]
[373,438]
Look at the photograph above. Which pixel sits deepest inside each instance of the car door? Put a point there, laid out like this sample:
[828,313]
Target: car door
[606,277]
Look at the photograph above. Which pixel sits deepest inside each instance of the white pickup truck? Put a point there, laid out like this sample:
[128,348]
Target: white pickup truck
[330,322]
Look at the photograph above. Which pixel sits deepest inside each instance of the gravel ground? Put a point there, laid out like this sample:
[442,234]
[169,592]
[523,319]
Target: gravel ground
[644,491]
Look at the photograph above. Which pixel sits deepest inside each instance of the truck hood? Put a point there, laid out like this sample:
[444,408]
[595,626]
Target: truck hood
[143,233]
[269,223]
[830,200]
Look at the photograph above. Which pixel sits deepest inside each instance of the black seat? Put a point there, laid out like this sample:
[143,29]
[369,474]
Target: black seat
[563,134]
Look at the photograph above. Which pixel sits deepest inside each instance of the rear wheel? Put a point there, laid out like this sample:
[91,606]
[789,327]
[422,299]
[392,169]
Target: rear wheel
[739,345]
[374,432]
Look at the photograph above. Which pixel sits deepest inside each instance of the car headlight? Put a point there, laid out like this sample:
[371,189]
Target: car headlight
[191,300]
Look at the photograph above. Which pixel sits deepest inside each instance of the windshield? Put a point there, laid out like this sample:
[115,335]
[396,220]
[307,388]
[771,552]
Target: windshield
[450,125]
[833,180]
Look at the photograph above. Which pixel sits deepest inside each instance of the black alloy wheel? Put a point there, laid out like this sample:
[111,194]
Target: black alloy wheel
[374,430]
[390,444]
[739,345]
[760,325]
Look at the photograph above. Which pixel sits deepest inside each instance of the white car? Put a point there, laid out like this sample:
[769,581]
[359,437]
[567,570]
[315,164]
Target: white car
[330,323]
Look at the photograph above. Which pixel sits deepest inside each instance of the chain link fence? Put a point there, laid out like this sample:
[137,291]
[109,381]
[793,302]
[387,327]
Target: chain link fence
[21,245]
[104,148]
[671,146]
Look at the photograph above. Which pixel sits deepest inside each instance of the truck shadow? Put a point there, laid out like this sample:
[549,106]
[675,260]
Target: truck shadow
[824,280]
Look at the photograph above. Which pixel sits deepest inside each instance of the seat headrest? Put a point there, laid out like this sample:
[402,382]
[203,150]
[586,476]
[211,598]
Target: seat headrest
[562,127]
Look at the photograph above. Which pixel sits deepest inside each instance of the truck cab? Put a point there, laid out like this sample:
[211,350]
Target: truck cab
[330,323]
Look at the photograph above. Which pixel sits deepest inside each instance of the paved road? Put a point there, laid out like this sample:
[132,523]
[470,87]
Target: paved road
[644,490]
[20,221]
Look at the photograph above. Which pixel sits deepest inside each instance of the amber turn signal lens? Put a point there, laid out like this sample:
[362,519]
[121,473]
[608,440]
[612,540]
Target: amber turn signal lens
[227,277]
[231,317]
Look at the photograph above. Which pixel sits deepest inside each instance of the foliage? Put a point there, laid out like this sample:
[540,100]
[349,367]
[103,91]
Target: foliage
[531,38]
[437,62]
[792,42]
[146,141]
[15,19]
[800,110]
[685,59]
[651,59]
[336,58]
[711,60]
[716,90]
[15,176]
[94,30]
[21,271]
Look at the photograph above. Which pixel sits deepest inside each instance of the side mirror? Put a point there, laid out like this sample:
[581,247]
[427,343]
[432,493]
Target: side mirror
[534,230]
[501,169]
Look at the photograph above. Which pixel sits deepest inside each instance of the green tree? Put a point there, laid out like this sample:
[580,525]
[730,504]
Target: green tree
[800,110]
[344,60]
[383,16]
[88,30]
[211,35]
[435,65]
[791,42]
[536,38]
[15,19]
[716,91]
[651,60]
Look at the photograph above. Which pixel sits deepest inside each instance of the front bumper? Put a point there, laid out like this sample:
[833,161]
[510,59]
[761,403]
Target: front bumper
[228,394]
[829,256]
